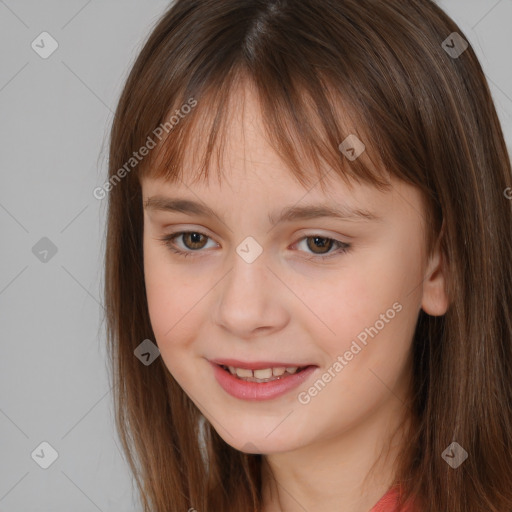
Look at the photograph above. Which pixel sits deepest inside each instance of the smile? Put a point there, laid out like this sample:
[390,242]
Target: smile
[263,375]
[260,384]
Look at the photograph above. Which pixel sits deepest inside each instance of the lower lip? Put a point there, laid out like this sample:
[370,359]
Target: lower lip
[257,391]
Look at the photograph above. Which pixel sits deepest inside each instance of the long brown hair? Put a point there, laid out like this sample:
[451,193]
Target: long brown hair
[426,116]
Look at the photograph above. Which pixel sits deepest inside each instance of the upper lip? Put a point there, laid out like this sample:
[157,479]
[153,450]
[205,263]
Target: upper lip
[256,365]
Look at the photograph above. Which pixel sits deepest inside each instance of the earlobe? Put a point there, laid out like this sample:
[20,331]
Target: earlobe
[435,300]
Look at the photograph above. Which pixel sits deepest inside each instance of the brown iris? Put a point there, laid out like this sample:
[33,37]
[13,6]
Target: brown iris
[195,240]
[319,243]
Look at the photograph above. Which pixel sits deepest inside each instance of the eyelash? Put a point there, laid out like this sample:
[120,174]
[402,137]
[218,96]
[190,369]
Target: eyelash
[168,242]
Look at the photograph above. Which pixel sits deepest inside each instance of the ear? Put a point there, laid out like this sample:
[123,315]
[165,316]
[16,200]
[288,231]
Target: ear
[435,300]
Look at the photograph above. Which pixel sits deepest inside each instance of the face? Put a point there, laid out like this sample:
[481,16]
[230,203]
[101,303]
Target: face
[339,295]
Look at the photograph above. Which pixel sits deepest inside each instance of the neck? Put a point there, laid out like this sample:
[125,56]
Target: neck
[355,468]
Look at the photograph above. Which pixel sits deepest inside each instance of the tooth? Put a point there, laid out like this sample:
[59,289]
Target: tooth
[277,372]
[292,369]
[243,372]
[263,374]
[232,370]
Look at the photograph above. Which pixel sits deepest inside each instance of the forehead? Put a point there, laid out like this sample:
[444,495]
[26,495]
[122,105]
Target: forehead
[236,128]
[246,168]
[243,150]
[247,176]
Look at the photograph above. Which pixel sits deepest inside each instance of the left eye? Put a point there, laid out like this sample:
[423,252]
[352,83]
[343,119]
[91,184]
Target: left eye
[194,241]
[319,243]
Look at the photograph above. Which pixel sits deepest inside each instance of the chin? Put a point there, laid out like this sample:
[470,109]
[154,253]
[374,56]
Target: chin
[257,440]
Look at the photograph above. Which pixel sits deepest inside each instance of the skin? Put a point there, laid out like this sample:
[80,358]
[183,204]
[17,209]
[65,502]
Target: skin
[284,306]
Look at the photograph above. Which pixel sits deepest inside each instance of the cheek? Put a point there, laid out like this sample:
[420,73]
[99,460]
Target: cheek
[351,301]
[173,301]
[158,281]
[369,316]
[365,362]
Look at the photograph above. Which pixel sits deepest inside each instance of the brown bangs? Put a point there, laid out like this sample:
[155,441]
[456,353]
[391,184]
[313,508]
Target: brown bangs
[306,132]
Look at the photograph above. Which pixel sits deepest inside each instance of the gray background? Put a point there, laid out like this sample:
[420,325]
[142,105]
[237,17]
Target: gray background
[55,115]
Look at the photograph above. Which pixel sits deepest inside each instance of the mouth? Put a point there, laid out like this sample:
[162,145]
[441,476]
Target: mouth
[265,382]
[268,374]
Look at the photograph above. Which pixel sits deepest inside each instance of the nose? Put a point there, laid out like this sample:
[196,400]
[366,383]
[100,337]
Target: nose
[251,301]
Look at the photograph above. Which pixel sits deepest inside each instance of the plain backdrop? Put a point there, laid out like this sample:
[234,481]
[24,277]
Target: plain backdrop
[55,115]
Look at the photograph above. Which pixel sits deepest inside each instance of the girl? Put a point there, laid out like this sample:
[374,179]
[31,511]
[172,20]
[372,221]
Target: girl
[333,312]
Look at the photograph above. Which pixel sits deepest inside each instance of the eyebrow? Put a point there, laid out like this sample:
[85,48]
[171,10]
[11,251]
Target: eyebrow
[287,214]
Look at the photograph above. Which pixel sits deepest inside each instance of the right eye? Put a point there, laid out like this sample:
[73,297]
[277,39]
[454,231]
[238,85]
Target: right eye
[195,240]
